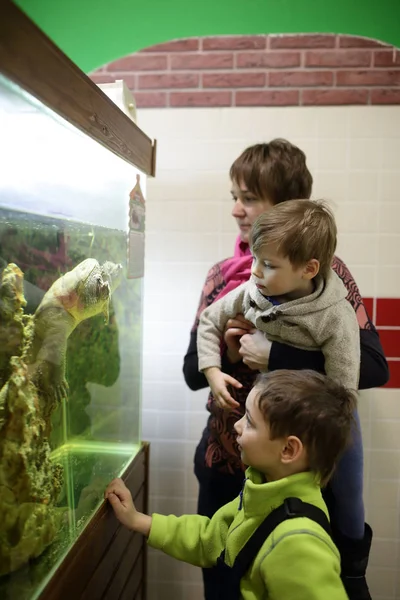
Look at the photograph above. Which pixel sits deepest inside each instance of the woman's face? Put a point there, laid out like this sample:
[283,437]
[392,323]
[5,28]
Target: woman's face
[247,207]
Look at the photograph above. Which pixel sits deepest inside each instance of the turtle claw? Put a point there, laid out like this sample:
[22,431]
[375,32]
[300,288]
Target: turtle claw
[61,391]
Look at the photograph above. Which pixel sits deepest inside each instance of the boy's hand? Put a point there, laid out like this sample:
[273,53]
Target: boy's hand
[218,382]
[120,499]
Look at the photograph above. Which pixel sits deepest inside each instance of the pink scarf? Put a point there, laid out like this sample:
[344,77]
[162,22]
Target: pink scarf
[236,270]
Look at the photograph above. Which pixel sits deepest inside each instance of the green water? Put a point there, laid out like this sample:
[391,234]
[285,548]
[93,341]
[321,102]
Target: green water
[95,433]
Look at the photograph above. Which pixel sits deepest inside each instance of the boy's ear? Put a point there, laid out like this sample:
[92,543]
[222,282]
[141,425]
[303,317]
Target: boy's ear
[292,451]
[311,269]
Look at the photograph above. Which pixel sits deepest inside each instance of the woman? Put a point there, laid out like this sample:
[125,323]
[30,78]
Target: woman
[262,176]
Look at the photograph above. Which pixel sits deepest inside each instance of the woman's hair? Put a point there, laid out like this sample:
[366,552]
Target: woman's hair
[276,171]
[312,407]
[300,230]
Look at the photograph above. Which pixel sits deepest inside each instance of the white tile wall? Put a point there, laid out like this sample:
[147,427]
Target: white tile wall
[354,154]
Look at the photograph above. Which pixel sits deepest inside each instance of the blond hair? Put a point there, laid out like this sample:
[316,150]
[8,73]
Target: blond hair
[301,229]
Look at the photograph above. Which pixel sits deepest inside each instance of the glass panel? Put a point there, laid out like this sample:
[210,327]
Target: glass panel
[70,334]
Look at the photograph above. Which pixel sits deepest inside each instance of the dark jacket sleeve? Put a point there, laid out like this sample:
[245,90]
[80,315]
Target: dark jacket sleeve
[374,370]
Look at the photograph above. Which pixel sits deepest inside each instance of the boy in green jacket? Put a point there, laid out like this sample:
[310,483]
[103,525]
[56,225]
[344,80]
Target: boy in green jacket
[297,424]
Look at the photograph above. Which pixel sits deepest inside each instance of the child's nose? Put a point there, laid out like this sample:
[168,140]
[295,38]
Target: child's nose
[255,269]
[238,426]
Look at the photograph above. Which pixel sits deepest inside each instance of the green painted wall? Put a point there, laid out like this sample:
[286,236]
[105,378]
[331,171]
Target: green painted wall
[94,32]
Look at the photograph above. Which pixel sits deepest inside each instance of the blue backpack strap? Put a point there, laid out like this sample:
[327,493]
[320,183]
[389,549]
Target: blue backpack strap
[292,508]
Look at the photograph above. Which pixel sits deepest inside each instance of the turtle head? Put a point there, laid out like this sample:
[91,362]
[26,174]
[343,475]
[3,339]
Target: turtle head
[112,273]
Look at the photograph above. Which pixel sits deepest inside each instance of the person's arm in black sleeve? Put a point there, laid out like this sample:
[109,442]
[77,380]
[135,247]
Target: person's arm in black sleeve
[374,370]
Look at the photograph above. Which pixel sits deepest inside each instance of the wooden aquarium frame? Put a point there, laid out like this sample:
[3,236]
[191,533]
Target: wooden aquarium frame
[31,60]
[108,561]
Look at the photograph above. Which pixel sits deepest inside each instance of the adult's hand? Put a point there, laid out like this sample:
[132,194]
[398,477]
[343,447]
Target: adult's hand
[234,329]
[254,350]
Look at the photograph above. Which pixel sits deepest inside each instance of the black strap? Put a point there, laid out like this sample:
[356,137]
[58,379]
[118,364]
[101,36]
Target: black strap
[292,508]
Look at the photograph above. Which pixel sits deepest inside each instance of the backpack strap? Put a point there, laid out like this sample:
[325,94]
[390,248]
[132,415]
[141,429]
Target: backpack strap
[292,508]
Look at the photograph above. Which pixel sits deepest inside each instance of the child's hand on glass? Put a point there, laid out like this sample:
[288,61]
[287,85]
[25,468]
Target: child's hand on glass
[120,499]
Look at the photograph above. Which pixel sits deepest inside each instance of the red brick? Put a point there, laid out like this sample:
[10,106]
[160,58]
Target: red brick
[237,42]
[139,62]
[387,58]
[202,61]
[334,97]
[385,96]
[277,42]
[187,45]
[350,41]
[300,78]
[369,306]
[338,58]
[373,77]
[233,80]
[267,98]
[268,59]
[207,99]
[169,80]
[388,312]
[101,78]
[394,370]
[390,340]
[151,99]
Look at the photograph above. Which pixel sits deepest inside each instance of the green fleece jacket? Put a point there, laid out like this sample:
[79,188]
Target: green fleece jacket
[298,561]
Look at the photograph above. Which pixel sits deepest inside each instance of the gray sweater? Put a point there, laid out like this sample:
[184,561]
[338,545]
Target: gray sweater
[324,320]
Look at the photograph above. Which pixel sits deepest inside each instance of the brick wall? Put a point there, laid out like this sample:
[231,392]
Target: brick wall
[287,70]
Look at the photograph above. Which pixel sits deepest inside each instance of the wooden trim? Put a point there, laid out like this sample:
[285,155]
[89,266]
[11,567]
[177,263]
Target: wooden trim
[146,449]
[31,60]
[76,570]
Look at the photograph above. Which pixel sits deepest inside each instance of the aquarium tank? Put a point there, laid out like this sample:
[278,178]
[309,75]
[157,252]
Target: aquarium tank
[71,275]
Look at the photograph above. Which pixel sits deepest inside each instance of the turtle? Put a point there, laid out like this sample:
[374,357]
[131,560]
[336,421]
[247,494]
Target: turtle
[81,293]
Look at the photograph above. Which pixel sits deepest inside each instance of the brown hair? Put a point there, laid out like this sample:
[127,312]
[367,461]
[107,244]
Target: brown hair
[276,171]
[314,408]
[301,229]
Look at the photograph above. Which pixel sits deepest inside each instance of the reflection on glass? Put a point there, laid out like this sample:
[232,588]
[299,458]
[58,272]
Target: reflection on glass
[70,336]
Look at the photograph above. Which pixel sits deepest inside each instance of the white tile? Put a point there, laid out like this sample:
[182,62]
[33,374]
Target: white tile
[253,125]
[332,155]
[384,522]
[390,185]
[206,216]
[386,404]
[188,184]
[381,581]
[332,122]
[353,217]
[331,186]
[167,215]
[389,250]
[374,121]
[383,493]
[180,123]
[365,154]
[389,218]
[384,554]
[386,435]
[363,186]
[164,396]
[384,464]
[172,426]
[360,249]
[391,155]
[198,155]
[388,281]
